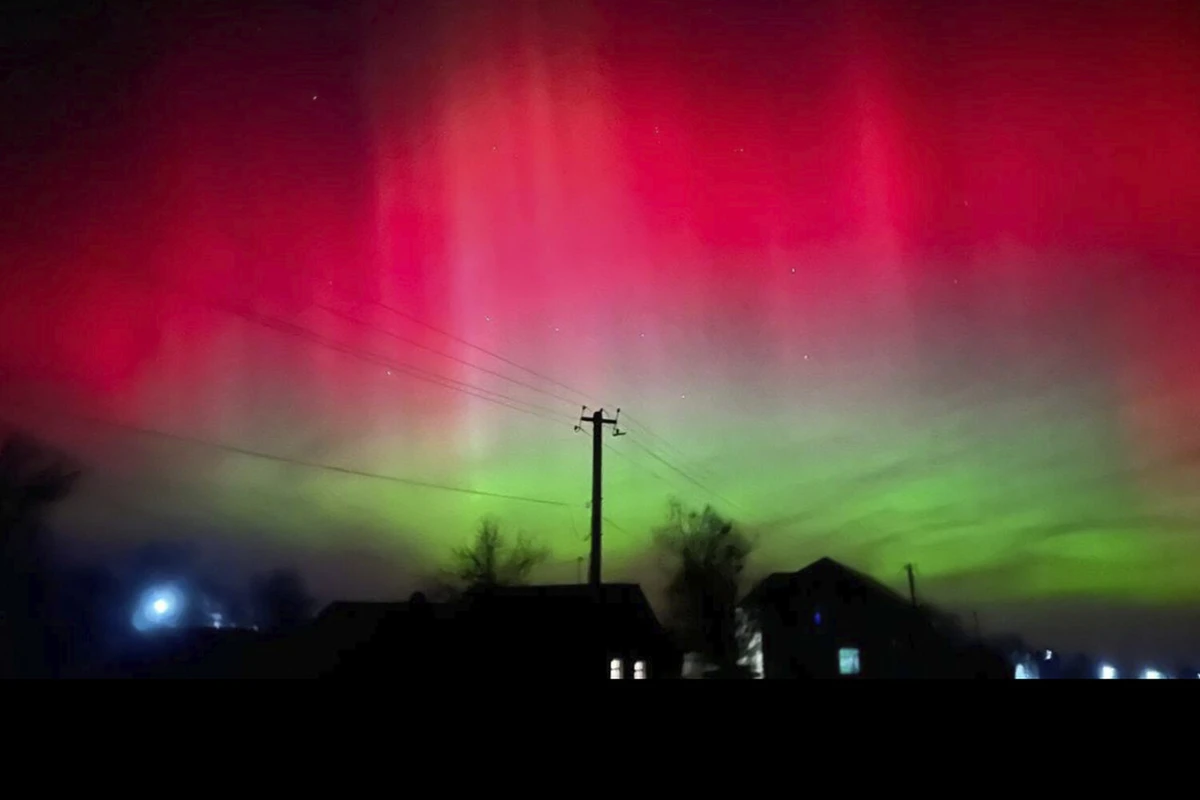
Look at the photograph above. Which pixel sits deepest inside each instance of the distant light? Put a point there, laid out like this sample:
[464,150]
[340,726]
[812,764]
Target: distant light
[1024,673]
[1153,675]
[1049,655]
[817,618]
[1108,672]
[159,607]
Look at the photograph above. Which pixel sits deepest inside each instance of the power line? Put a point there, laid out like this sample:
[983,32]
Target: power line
[644,427]
[635,463]
[649,432]
[488,395]
[618,527]
[292,329]
[483,350]
[312,464]
[435,351]
[684,474]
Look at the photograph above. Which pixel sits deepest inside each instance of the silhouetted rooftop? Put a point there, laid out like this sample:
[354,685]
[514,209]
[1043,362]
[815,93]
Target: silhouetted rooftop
[824,569]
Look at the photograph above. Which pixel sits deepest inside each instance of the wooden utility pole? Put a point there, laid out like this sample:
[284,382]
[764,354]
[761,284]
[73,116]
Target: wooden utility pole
[598,422]
[912,584]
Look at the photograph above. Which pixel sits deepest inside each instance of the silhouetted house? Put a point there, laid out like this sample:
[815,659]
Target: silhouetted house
[371,640]
[565,632]
[830,621]
[537,632]
[530,632]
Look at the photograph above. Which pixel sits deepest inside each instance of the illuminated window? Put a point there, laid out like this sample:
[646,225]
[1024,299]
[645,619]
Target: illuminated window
[639,670]
[848,661]
[615,670]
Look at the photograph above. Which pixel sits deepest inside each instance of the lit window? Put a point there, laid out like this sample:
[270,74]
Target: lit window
[615,670]
[639,670]
[848,661]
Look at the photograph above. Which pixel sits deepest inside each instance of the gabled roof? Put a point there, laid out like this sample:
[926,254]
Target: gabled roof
[827,569]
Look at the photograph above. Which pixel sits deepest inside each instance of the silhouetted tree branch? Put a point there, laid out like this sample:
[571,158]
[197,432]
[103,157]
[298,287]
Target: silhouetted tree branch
[491,560]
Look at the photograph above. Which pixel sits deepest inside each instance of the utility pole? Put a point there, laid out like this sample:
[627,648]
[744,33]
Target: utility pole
[598,422]
[912,584]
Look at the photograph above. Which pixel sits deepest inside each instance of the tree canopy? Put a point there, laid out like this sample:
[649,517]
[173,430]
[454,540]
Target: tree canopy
[707,556]
[492,560]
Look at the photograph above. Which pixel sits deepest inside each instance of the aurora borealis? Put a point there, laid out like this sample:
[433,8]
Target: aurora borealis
[892,282]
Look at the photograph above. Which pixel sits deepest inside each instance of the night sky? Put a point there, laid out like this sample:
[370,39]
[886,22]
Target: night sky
[890,282]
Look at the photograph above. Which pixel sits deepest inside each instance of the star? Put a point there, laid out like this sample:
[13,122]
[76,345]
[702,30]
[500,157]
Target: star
[314,97]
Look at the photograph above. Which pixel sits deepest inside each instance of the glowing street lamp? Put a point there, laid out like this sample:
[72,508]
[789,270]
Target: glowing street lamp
[159,607]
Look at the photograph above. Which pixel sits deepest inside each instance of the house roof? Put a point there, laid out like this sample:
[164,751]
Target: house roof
[822,568]
[619,600]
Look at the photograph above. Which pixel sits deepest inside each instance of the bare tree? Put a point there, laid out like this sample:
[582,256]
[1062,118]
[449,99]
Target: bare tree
[708,555]
[491,560]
